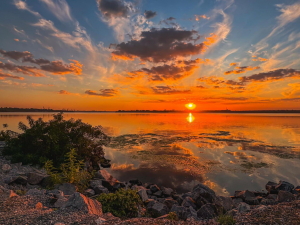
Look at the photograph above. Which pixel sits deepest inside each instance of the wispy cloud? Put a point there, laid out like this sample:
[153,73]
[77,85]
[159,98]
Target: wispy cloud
[23,6]
[60,9]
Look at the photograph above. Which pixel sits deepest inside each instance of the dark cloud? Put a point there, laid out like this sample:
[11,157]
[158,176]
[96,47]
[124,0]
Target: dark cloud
[54,67]
[26,70]
[114,8]
[272,75]
[242,69]
[169,22]
[149,14]
[175,71]
[168,90]
[7,75]
[103,92]
[64,92]
[160,45]
[15,55]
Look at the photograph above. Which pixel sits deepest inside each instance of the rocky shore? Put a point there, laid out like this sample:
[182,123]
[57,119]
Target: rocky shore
[24,200]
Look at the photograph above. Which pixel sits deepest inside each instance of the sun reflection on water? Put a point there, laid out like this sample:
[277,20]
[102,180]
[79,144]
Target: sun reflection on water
[190,118]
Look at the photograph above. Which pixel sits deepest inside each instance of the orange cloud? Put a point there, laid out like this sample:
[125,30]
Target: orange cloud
[63,92]
[260,59]
[198,17]
[210,40]
[233,64]
[17,40]
[242,69]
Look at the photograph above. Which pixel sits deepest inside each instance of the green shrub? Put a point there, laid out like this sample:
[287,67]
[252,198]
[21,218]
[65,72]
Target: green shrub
[43,141]
[122,203]
[21,192]
[226,220]
[71,171]
[172,216]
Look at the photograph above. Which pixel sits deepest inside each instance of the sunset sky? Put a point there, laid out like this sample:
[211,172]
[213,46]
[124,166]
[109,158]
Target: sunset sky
[150,54]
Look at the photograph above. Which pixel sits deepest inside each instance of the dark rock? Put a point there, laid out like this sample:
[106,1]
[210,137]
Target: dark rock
[16,180]
[149,192]
[224,204]
[108,180]
[153,197]
[158,194]
[268,201]
[167,191]
[187,202]
[207,211]
[169,202]
[188,194]
[67,188]
[285,196]
[97,186]
[161,200]
[243,207]
[35,178]
[271,187]
[46,182]
[157,209]
[272,196]
[192,214]
[232,212]
[84,204]
[180,211]
[143,195]
[237,201]
[154,188]
[245,194]
[6,168]
[137,188]
[136,182]
[118,185]
[89,192]
[202,194]
[35,192]
[252,200]
[284,186]
[297,189]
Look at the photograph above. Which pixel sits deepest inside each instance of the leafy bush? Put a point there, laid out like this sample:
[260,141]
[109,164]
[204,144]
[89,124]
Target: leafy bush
[226,220]
[172,216]
[122,203]
[43,141]
[71,171]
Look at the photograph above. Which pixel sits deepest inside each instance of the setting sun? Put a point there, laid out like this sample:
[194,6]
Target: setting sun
[190,106]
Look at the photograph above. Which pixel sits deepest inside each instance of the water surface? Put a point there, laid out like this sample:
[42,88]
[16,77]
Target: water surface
[227,152]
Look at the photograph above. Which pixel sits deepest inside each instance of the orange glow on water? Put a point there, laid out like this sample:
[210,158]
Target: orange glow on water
[190,118]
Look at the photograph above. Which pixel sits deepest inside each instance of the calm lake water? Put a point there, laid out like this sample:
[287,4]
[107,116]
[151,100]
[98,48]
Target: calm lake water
[227,152]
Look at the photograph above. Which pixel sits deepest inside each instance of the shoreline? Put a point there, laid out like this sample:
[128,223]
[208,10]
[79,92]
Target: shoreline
[21,183]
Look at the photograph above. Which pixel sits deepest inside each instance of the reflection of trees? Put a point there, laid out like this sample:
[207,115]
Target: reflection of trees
[163,175]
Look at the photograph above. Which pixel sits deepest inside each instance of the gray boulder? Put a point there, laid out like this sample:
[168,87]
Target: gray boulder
[243,207]
[180,211]
[167,191]
[284,186]
[97,186]
[224,204]
[202,194]
[157,209]
[35,192]
[285,196]
[207,211]
[22,179]
[154,188]
[89,192]
[158,194]
[108,180]
[143,195]
[252,200]
[169,202]
[35,177]
[189,202]
[266,201]
[84,204]
[271,187]
[237,201]
[67,188]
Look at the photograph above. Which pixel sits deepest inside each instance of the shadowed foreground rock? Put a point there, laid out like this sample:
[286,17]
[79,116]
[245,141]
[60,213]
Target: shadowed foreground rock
[79,201]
